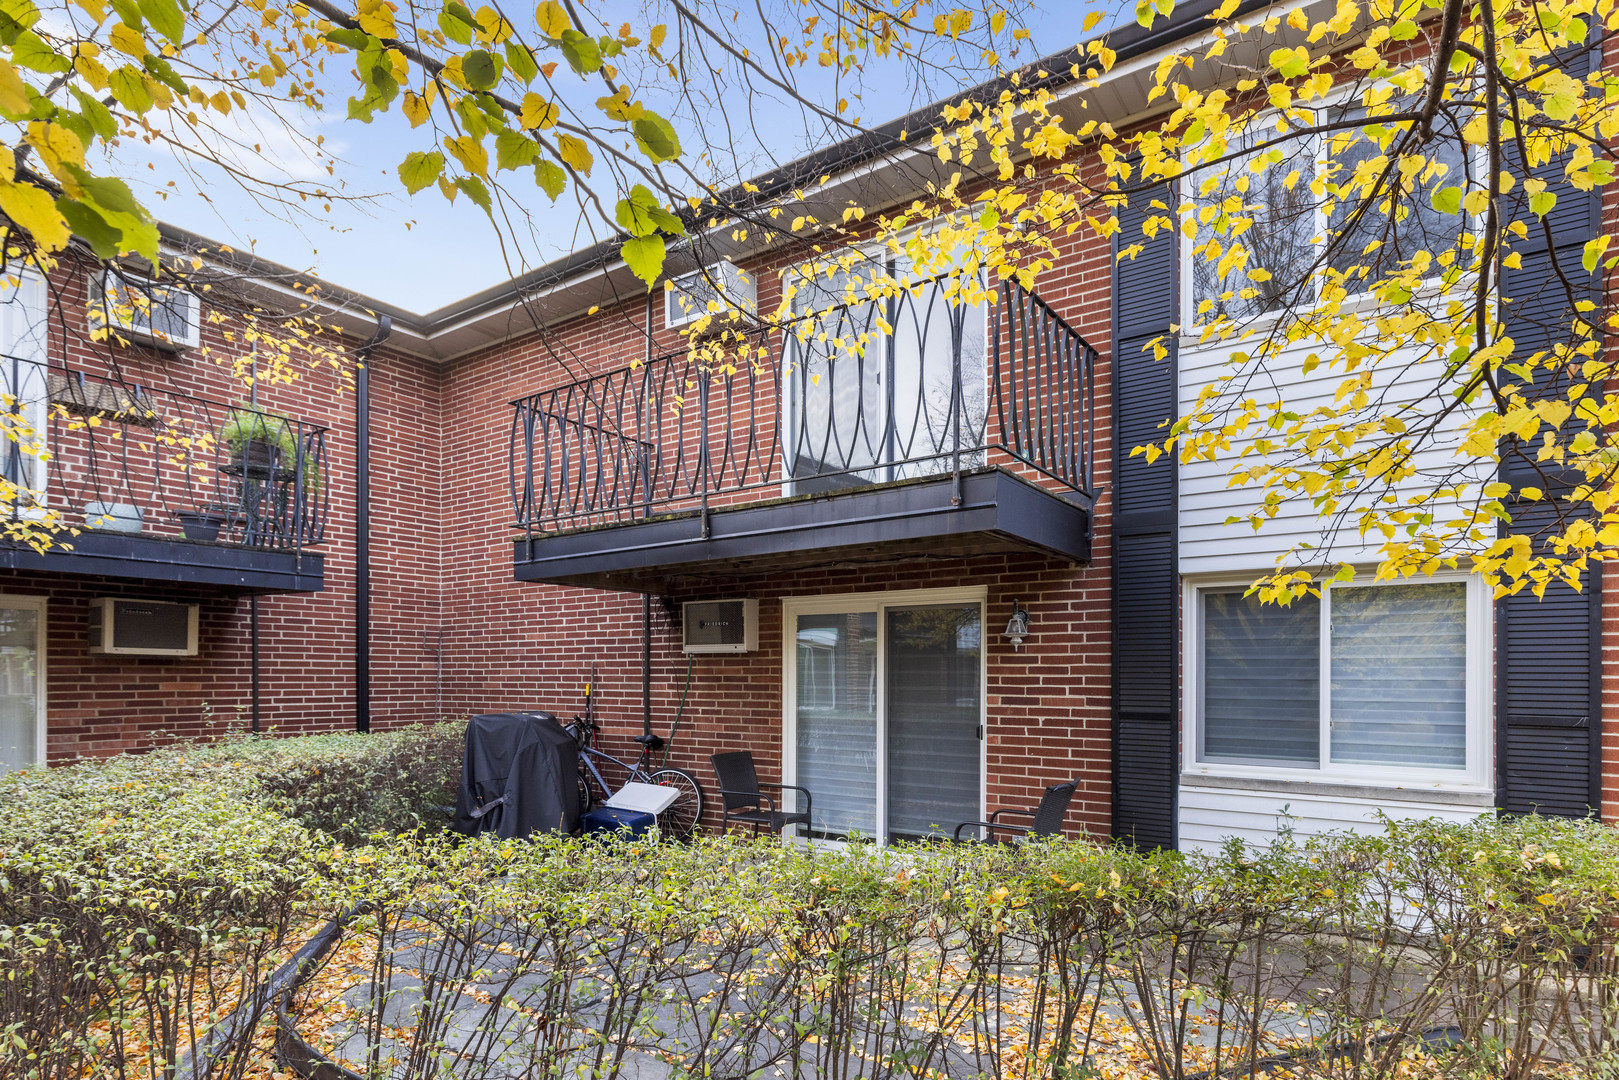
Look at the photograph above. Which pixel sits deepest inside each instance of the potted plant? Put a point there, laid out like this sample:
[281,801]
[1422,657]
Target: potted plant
[202,524]
[261,445]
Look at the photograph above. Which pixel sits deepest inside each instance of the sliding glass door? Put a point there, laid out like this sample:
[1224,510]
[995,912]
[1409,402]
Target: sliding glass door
[885,713]
[22,682]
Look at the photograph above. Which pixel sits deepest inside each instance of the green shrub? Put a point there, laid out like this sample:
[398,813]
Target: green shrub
[351,786]
[141,898]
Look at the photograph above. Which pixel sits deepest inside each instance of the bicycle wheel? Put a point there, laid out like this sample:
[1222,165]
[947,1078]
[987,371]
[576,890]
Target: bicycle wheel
[587,797]
[680,820]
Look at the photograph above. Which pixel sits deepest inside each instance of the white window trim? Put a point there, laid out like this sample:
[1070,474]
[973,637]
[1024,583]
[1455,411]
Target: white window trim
[793,606]
[39,605]
[1190,336]
[1476,777]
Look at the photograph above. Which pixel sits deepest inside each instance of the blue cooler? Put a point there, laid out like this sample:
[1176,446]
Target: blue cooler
[609,819]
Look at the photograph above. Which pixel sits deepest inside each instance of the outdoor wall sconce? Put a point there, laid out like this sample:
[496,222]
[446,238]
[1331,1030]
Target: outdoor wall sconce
[1017,627]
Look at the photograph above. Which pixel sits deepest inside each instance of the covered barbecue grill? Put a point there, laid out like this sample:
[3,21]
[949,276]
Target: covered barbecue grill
[520,775]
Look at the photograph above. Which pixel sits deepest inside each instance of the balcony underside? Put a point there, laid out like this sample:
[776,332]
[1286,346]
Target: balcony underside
[998,513]
[165,558]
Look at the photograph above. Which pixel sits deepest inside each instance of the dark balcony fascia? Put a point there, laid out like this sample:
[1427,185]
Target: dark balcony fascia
[998,513]
[169,558]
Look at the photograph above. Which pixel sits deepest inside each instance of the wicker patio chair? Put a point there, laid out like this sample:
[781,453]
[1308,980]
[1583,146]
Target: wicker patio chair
[744,802]
[1046,819]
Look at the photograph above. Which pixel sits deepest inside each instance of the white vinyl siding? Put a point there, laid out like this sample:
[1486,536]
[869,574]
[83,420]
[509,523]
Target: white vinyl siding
[1211,815]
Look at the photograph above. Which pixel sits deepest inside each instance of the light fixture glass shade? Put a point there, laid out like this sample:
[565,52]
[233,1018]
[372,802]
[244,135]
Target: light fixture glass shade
[1017,627]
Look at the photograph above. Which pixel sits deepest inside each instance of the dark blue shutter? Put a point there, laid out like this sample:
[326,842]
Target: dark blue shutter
[1146,734]
[1548,651]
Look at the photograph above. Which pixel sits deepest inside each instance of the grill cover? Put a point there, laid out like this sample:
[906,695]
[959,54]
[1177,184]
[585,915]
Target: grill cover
[522,770]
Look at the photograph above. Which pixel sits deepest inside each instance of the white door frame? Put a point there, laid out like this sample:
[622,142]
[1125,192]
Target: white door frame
[38,604]
[878,602]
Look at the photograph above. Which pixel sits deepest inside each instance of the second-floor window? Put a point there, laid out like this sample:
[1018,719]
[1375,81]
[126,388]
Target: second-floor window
[1283,201]
[886,387]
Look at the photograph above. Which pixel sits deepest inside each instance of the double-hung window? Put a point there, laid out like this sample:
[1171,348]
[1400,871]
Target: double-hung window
[881,388]
[1275,206]
[1375,684]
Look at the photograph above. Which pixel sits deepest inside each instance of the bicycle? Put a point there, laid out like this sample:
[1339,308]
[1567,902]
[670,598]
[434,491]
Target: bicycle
[679,820]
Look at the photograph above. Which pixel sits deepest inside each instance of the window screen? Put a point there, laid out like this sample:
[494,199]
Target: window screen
[1261,680]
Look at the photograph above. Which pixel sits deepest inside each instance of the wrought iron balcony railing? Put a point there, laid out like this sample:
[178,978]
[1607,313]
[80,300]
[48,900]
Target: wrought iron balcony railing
[939,387]
[87,452]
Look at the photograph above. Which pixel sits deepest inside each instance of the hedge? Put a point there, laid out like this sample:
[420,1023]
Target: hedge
[142,899]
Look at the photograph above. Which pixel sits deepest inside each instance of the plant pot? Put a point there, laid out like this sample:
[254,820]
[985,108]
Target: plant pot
[201,525]
[113,517]
[258,457]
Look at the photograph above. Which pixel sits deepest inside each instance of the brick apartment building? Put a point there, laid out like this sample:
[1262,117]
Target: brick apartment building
[531,483]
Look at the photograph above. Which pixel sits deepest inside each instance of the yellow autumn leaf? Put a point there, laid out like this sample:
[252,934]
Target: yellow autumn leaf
[575,154]
[551,18]
[33,209]
[127,40]
[13,91]
[415,108]
[469,152]
[538,112]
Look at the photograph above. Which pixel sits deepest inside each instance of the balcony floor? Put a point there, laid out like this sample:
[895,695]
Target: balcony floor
[893,522]
[169,558]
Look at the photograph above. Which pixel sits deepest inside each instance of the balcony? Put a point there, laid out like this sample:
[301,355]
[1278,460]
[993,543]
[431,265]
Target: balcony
[162,486]
[956,431]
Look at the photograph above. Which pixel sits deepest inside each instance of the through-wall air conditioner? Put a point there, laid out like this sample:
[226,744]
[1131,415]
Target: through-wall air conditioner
[691,295]
[720,626]
[144,310]
[142,628]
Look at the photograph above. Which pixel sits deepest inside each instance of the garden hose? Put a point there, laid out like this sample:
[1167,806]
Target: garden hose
[679,712]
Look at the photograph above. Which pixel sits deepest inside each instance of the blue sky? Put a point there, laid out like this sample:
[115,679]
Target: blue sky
[420,252]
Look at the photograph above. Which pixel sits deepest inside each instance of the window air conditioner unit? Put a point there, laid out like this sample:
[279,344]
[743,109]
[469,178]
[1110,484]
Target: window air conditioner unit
[142,628]
[720,626]
[143,310]
[692,294]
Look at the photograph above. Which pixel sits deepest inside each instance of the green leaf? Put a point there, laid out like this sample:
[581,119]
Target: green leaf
[581,51]
[1593,253]
[1291,63]
[1541,204]
[353,40]
[31,52]
[552,180]
[96,114]
[1404,30]
[166,18]
[644,256]
[514,150]
[656,137]
[481,69]
[460,13]
[1446,200]
[128,11]
[475,190]
[112,194]
[164,73]
[129,89]
[454,29]
[419,170]
[642,214]
[104,239]
[521,60]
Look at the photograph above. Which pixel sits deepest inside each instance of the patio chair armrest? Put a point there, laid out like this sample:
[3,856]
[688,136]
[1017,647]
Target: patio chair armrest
[995,816]
[809,800]
[990,826]
[754,795]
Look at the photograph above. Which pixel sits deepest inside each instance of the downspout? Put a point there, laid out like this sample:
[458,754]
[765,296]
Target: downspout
[646,598]
[253,601]
[362,526]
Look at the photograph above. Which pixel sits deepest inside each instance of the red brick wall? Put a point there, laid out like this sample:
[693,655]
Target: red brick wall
[524,646]
[103,704]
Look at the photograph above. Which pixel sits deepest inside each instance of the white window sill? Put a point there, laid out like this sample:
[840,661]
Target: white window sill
[1457,793]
